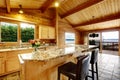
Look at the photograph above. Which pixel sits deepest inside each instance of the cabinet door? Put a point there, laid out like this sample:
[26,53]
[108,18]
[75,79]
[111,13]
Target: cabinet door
[43,32]
[12,62]
[51,33]
[2,64]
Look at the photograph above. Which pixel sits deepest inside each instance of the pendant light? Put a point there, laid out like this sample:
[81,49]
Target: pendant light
[20,10]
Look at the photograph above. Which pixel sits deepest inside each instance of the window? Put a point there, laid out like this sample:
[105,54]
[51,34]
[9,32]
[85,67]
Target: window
[112,36]
[8,32]
[69,38]
[110,40]
[27,32]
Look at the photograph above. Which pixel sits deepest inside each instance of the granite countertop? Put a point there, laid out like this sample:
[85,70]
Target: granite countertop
[45,55]
[19,48]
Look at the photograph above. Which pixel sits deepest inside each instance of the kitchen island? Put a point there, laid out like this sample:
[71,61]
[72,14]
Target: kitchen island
[42,65]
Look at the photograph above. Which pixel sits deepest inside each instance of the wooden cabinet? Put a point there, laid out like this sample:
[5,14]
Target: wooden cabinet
[43,32]
[51,32]
[46,32]
[12,62]
[9,61]
[2,63]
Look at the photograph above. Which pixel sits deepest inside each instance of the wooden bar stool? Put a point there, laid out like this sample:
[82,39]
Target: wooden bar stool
[93,62]
[77,71]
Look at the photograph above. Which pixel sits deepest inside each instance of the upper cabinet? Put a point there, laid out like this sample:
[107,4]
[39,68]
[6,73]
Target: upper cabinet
[46,32]
[51,32]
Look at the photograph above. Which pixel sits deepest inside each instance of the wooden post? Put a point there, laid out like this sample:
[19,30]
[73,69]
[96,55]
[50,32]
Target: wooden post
[0,31]
[100,42]
[19,34]
[8,5]
[36,34]
[87,38]
[119,44]
[56,27]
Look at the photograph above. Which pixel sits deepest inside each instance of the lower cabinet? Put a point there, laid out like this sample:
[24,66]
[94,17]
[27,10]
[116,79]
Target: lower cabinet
[9,61]
[2,63]
[12,62]
[3,78]
[13,76]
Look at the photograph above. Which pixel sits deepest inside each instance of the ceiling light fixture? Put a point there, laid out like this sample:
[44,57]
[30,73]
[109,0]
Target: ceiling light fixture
[56,4]
[20,10]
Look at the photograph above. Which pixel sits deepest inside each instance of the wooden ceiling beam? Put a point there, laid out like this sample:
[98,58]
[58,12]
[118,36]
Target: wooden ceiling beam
[101,20]
[100,30]
[46,5]
[7,2]
[80,7]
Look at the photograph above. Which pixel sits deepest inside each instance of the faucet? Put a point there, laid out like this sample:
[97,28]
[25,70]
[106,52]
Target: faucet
[20,43]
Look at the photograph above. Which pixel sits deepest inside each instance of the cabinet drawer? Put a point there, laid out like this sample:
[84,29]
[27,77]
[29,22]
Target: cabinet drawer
[11,55]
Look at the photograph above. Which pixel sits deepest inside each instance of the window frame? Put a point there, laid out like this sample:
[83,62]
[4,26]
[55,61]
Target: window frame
[18,29]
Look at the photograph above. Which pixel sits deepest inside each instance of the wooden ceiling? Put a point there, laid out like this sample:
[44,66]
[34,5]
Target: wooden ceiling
[79,13]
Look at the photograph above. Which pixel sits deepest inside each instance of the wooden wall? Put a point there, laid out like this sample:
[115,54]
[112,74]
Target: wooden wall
[30,16]
[64,26]
[35,17]
[38,18]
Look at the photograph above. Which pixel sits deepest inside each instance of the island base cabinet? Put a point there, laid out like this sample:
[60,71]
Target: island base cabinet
[42,70]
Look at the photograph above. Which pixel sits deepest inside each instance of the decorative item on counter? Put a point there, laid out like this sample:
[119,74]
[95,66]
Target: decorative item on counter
[43,42]
[35,43]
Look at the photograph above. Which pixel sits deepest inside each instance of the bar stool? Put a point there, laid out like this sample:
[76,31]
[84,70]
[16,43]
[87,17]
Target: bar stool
[77,71]
[93,62]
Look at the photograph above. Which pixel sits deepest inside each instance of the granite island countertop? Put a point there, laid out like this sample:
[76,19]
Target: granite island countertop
[21,48]
[45,55]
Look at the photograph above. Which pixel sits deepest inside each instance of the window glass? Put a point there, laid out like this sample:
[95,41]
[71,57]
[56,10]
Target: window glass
[110,36]
[69,38]
[27,32]
[8,32]
[110,40]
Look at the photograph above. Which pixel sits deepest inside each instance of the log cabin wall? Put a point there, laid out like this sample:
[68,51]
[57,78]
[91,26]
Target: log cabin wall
[38,18]
[64,26]
[29,16]
[35,17]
